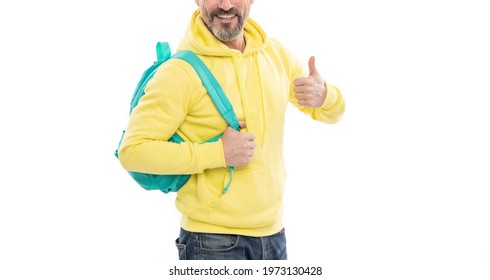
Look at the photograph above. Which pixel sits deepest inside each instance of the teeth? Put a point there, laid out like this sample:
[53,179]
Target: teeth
[226,16]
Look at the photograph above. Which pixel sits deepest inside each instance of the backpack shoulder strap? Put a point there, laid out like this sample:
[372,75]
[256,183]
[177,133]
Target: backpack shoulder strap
[212,86]
[215,92]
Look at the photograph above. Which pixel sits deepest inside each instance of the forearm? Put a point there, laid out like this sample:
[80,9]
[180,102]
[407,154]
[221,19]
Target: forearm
[162,157]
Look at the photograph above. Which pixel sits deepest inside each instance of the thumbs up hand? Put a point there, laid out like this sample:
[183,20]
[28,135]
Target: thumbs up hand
[310,91]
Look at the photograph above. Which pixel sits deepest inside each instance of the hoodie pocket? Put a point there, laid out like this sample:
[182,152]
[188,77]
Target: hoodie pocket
[254,198]
[211,183]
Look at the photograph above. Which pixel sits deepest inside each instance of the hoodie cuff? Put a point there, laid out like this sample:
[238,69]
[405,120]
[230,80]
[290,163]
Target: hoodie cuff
[331,98]
[211,155]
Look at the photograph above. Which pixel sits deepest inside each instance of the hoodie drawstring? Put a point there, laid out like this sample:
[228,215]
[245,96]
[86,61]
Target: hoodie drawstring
[244,98]
[262,100]
[241,87]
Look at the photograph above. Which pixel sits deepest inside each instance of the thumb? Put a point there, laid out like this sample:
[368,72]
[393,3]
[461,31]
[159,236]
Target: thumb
[312,66]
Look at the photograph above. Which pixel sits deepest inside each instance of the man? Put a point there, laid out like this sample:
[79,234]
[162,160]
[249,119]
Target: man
[259,77]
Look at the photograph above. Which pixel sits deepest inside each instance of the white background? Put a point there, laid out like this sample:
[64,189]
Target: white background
[399,189]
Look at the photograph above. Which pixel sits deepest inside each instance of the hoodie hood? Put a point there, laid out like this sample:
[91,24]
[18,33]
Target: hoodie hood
[201,41]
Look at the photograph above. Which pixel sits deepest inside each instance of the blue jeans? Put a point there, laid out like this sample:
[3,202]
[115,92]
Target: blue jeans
[210,246]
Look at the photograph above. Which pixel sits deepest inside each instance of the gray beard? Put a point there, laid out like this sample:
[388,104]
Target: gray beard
[226,34]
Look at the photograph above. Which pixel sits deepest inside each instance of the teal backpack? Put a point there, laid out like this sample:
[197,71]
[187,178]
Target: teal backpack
[172,183]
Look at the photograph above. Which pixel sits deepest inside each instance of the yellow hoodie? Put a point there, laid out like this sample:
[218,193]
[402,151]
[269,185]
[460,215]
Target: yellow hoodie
[259,84]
